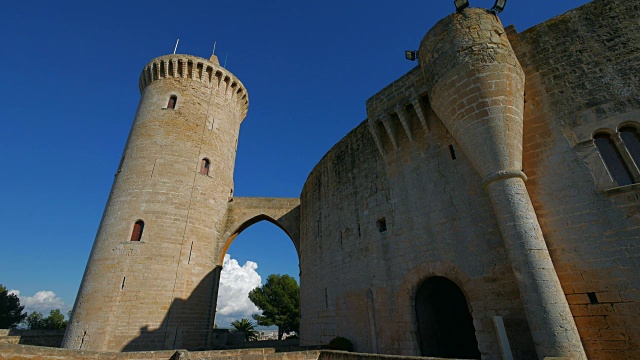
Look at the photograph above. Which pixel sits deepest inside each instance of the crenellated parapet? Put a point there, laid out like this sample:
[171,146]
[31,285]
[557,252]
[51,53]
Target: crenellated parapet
[208,72]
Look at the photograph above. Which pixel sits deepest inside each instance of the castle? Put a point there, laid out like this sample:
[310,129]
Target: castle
[488,204]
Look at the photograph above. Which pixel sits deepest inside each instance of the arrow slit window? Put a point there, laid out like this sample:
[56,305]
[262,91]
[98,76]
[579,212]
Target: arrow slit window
[138,227]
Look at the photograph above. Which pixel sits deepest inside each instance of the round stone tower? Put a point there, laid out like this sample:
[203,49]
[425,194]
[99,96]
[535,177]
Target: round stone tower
[150,282]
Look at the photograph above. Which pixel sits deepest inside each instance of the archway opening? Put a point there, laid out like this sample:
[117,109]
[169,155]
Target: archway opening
[445,326]
[259,248]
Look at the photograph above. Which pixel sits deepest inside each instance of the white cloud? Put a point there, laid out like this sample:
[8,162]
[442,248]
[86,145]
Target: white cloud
[42,302]
[233,296]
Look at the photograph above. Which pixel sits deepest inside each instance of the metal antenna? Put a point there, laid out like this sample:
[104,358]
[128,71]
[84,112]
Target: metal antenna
[214,48]
[176,48]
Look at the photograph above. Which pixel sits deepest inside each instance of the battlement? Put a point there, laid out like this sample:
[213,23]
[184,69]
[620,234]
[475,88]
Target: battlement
[181,66]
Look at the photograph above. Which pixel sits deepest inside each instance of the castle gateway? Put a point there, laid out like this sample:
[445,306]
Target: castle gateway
[489,199]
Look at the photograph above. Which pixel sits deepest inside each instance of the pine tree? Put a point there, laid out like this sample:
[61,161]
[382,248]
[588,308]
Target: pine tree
[279,300]
[10,310]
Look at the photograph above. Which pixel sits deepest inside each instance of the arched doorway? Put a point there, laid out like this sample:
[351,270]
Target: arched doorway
[445,326]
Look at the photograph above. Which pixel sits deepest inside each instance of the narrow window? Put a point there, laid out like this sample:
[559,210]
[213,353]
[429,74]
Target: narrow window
[204,166]
[326,299]
[452,152]
[631,139]
[138,227]
[173,100]
[382,225]
[592,298]
[612,159]
[121,162]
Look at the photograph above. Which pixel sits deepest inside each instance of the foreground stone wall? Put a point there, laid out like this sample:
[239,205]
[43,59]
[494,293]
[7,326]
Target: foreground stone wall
[51,338]
[20,352]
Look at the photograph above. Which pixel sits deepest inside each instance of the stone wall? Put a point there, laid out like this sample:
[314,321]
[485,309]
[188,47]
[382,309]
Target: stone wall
[286,345]
[359,282]
[402,168]
[343,355]
[21,352]
[51,338]
[581,76]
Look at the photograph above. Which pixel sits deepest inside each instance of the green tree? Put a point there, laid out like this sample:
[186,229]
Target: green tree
[35,320]
[10,310]
[279,300]
[55,321]
[246,326]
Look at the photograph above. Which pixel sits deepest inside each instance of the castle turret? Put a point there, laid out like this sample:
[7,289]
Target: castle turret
[477,90]
[151,278]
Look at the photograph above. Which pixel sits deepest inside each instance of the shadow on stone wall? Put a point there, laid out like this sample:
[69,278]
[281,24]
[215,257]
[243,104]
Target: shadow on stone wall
[49,338]
[188,322]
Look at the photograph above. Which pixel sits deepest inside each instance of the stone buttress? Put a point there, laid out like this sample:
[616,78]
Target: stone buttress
[477,90]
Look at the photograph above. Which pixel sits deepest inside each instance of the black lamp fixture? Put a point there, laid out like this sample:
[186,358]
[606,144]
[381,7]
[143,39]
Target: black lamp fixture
[498,7]
[461,4]
[411,55]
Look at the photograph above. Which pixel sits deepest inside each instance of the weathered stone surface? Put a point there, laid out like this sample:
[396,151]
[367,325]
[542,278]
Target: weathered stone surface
[431,184]
[580,73]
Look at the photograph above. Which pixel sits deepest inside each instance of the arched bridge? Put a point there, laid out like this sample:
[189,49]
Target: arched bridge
[243,212]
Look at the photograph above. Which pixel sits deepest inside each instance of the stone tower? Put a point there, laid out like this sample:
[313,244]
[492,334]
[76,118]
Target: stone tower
[151,279]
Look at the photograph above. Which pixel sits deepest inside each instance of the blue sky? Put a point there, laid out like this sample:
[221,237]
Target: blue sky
[69,90]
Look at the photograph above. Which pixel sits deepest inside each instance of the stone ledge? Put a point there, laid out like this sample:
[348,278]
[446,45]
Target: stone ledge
[24,352]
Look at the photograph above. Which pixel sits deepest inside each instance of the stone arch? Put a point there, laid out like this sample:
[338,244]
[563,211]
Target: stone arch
[414,278]
[243,212]
[445,325]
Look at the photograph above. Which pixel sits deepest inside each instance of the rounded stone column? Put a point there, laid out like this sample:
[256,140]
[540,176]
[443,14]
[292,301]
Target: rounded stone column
[477,90]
